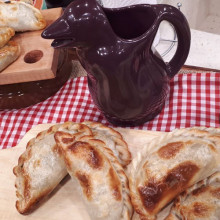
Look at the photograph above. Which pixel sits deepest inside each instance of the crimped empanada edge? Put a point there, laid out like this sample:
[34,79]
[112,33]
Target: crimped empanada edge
[21,204]
[127,209]
[121,144]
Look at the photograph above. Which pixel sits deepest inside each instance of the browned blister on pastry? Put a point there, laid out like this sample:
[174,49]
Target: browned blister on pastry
[168,166]
[200,202]
[40,168]
[8,54]
[98,177]
[6,33]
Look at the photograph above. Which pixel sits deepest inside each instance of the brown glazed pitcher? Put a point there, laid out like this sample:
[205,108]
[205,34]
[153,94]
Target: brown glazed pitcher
[128,82]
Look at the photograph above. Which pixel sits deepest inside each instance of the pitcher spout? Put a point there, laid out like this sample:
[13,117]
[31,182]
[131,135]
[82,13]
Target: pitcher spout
[82,24]
[61,32]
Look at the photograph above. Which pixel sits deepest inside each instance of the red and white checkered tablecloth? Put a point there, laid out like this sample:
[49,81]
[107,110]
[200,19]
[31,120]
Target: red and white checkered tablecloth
[194,100]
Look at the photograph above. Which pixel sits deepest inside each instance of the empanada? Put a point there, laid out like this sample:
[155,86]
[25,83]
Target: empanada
[31,2]
[213,134]
[200,202]
[5,35]
[168,166]
[112,139]
[40,168]
[45,147]
[98,177]
[8,54]
[21,16]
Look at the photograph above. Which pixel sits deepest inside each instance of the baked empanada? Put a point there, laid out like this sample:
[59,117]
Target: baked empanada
[167,167]
[31,2]
[40,168]
[112,139]
[45,147]
[5,35]
[98,177]
[200,202]
[213,134]
[8,54]
[21,16]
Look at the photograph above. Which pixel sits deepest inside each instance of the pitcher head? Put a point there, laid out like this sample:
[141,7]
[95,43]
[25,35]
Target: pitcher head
[74,27]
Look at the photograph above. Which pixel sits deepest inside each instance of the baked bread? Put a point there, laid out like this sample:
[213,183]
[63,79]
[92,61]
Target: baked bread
[200,202]
[21,16]
[5,35]
[40,168]
[167,167]
[98,177]
[112,139]
[8,54]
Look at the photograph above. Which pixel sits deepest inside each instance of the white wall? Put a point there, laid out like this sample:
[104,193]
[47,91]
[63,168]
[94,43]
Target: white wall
[194,10]
[214,7]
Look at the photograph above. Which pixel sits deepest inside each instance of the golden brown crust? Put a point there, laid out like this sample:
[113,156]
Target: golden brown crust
[92,156]
[170,150]
[44,147]
[85,182]
[8,54]
[201,201]
[172,183]
[23,16]
[5,35]
[96,168]
[114,184]
[31,177]
[166,167]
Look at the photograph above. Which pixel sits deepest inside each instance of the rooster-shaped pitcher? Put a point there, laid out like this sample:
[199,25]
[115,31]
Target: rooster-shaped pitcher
[128,82]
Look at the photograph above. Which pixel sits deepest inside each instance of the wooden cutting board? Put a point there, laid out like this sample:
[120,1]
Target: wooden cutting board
[63,203]
[28,67]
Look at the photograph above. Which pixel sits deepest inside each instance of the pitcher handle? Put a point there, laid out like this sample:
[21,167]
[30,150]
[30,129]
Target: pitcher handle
[178,20]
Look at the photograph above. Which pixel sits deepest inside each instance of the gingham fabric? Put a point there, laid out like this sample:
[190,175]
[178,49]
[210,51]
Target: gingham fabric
[194,100]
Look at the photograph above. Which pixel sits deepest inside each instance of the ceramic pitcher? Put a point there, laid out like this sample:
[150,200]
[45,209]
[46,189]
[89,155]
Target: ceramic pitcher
[128,81]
